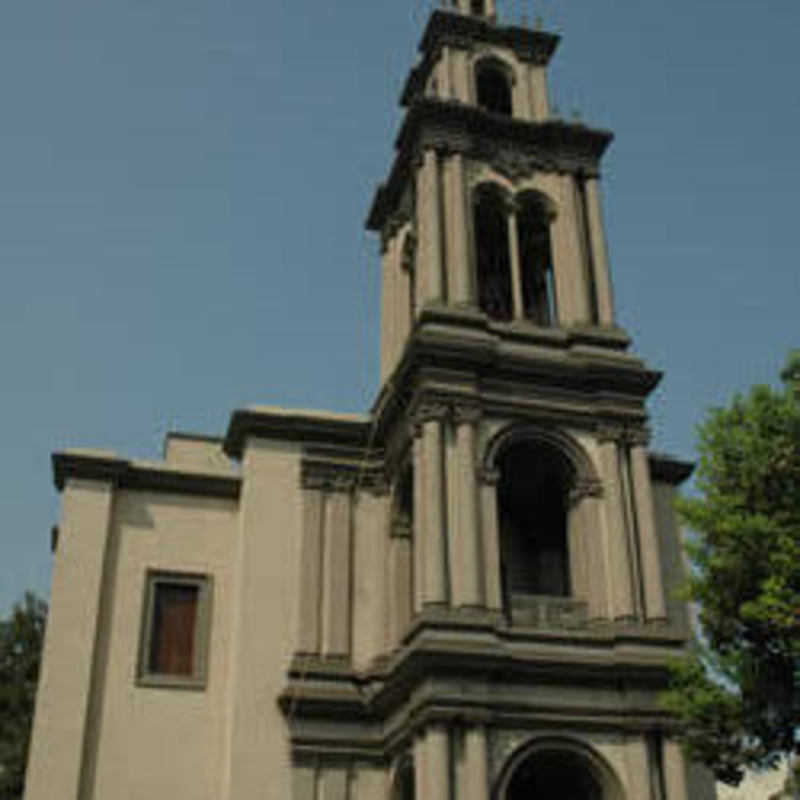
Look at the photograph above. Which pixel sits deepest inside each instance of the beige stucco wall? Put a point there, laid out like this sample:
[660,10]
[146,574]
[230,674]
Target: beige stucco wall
[147,742]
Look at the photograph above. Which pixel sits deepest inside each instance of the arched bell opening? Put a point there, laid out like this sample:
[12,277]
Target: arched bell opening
[492,82]
[493,258]
[532,502]
[559,770]
[536,258]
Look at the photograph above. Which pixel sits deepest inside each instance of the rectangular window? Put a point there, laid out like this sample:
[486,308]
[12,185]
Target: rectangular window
[174,644]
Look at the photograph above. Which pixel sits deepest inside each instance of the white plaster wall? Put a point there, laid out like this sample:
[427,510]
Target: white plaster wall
[159,743]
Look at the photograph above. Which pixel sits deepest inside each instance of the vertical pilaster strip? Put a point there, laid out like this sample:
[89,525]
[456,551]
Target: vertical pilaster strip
[432,765]
[308,635]
[399,589]
[333,784]
[516,268]
[430,534]
[522,95]
[370,545]
[445,75]
[539,95]
[598,594]
[574,264]
[336,577]
[461,78]
[597,238]
[387,304]
[403,300]
[62,722]
[368,783]
[616,534]
[475,773]
[577,539]
[429,263]
[466,556]
[304,783]
[655,605]
[675,771]
[458,273]
[490,538]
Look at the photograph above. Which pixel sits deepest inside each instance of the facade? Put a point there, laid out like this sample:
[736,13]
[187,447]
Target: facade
[465,594]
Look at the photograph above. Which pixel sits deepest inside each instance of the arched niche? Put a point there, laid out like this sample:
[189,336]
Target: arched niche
[542,477]
[535,215]
[492,252]
[558,769]
[494,80]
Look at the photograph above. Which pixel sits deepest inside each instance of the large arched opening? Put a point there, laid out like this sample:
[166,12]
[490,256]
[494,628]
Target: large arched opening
[559,770]
[493,258]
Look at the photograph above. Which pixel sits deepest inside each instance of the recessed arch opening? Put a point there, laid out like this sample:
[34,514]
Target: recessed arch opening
[493,258]
[559,770]
[493,85]
[536,258]
[532,500]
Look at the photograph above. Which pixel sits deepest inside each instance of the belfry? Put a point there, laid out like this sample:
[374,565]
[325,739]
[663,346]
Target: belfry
[468,593]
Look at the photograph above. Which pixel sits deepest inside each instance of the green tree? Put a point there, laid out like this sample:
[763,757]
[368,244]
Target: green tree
[737,695]
[20,654]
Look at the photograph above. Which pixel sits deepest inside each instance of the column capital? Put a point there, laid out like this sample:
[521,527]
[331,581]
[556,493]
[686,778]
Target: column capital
[583,489]
[467,412]
[637,437]
[609,432]
[427,411]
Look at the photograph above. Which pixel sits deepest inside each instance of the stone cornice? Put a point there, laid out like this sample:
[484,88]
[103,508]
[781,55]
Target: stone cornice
[522,373]
[447,29]
[310,427]
[667,469]
[442,672]
[332,476]
[550,146]
[127,474]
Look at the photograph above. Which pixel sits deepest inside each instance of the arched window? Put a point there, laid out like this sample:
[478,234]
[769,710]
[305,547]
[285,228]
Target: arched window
[492,255]
[536,259]
[493,87]
[554,775]
[532,498]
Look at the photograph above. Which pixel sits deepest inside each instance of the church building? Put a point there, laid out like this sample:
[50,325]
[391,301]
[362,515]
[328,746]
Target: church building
[466,593]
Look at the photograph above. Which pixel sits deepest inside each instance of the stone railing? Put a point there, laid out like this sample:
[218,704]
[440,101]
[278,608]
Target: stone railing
[546,611]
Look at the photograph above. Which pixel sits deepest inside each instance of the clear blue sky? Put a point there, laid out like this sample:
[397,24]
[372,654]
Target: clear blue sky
[183,186]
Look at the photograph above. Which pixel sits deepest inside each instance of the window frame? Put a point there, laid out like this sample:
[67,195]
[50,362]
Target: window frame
[198,679]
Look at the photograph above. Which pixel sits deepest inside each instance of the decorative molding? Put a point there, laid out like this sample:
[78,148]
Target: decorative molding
[637,437]
[470,413]
[583,489]
[428,411]
[609,432]
[502,746]
[515,165]
[144,477]
[488,476]
[330,476]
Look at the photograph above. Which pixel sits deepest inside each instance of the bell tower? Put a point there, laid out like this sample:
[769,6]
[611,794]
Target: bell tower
[534,547]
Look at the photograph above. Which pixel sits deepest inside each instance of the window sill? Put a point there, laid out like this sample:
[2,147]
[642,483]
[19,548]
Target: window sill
[197,684]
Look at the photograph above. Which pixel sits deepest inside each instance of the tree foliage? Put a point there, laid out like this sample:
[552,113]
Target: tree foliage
[737,696]
[21,638]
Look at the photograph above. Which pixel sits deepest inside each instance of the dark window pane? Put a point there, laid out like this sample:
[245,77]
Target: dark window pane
[494,262]
[173,630]
[494,90]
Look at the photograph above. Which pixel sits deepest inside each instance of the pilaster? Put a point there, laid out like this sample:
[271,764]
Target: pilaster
[458,268]
[654,601]
[490,536]
[675,771]
[466,557]
[615,531]
[336,577]
[430,543]
[473,766]
[432,764]
[63,707]
[429,227]
[597,239]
